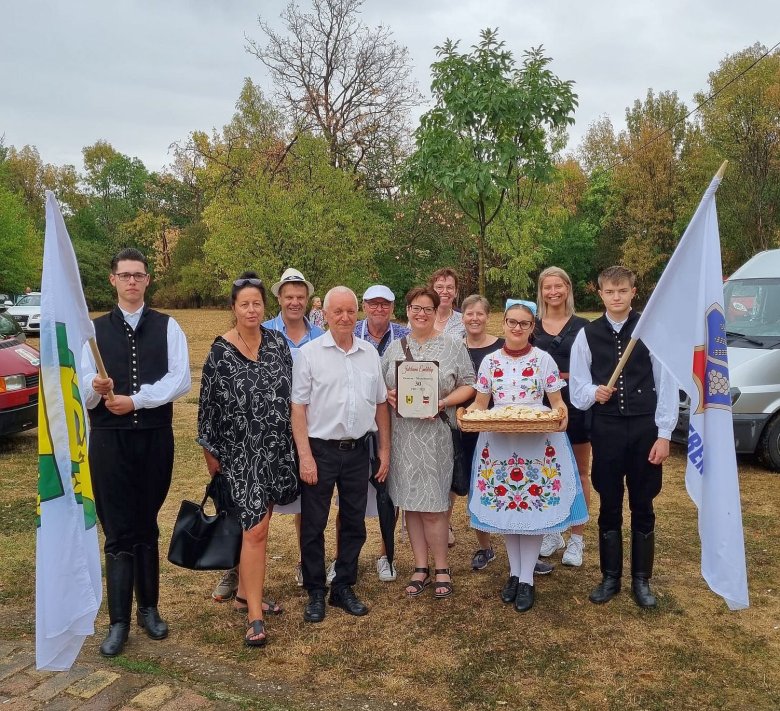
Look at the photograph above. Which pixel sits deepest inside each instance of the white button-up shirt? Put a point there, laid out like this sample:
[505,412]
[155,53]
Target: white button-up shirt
[175,383]
[341,388]
[583,389]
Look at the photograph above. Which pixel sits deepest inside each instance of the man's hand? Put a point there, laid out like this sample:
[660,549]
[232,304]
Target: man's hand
[120,405]
[212,463]
[384,466]
[102,386]
[391,398]
[603,393]
[659,452]
[308,470]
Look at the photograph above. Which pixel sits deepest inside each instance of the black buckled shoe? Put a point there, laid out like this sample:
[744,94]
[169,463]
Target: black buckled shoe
[346,599]
[315,608]
[509,591]
[524,600]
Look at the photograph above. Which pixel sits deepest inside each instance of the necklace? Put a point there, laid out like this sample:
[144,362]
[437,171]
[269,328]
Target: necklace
[445,319]
[516,353]
[257,354]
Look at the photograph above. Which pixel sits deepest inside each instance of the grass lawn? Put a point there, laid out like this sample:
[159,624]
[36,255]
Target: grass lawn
[471,651]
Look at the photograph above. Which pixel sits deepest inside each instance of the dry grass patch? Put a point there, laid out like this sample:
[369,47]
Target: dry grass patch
[469,652]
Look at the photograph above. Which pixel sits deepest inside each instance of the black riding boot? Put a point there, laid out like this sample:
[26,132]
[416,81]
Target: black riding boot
[611,560]
[119,591]
[147,591]
[642,553]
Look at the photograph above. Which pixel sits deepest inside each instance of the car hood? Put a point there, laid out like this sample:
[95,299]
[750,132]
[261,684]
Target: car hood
[22,310]
[753,366]
[18,357]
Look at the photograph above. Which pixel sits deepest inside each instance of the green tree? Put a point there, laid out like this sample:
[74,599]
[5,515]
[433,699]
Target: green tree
[488,130]
[742,124]
[21,251]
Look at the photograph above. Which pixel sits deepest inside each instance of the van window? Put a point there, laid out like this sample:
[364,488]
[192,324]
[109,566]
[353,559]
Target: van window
[753,309]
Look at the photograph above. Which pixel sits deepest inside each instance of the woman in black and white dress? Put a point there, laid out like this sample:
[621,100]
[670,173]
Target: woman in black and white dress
[245,431]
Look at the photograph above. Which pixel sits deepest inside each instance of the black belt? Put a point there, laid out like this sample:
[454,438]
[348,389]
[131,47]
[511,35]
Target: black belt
[345,445]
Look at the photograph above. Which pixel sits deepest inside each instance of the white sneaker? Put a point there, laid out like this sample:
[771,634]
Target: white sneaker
[550,543]
[330,573]
[299,575]
[385,570]
[573,553]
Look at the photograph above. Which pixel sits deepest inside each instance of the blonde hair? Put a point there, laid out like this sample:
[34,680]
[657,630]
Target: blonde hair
[564,277]
[473,300]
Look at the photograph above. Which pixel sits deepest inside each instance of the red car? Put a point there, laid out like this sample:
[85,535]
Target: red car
[19,365]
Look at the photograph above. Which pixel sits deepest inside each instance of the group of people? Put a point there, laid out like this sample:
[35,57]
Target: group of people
[289,411]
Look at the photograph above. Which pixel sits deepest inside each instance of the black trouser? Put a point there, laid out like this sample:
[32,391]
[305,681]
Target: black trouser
[621,446]
[349,470]
[131,474]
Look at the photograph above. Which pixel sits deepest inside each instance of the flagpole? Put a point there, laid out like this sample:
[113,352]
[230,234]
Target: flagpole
[630,347]
[99,363]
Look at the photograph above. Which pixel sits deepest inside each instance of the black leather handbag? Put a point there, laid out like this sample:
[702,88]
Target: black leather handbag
[207,542]
[461,474]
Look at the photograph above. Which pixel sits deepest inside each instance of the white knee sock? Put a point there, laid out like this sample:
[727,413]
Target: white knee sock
[530,546]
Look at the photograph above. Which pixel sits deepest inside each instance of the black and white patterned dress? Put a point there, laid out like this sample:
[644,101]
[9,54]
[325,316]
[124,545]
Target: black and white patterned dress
[244,421]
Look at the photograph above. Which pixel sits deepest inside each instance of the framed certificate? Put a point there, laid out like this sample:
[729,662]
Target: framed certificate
[417,388]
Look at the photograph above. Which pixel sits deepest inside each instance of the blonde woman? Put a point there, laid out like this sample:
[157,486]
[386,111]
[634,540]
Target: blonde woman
[556,328]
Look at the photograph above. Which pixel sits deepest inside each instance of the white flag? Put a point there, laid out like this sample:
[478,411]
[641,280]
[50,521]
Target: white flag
[68,586]
[684,327]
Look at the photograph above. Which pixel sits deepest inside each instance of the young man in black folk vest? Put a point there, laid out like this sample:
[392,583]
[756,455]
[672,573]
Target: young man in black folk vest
[131,442]
[632,426]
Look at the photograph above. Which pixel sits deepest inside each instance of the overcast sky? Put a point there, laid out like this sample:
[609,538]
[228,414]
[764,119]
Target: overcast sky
[142,74]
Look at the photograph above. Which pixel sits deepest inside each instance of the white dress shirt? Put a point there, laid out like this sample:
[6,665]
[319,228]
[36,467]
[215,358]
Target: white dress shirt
[341,388]
[583,390]
[175,383]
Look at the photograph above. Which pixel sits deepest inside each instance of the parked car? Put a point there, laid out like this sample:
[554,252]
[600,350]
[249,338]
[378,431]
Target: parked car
[752,304]
[19,372]
[27,312]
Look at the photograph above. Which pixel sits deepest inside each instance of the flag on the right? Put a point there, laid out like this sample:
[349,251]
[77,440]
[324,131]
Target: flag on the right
[685,328]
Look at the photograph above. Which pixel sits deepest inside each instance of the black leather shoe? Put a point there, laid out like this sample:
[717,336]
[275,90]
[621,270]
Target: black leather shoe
[346,599]
[524,600]
[315,608]
[509,592]
[149,619]
[115,640]
[605,590]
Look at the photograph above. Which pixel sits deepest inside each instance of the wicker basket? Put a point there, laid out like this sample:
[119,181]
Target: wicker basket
[508,425]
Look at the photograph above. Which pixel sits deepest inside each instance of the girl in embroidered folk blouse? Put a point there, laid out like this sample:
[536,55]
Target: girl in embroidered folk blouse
[524,484]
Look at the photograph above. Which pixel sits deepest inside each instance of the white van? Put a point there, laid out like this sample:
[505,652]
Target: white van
[752,304]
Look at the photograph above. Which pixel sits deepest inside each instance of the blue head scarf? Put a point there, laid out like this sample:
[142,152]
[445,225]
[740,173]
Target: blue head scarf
[521,302]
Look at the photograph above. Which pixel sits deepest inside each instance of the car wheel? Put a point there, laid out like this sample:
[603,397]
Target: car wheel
[769,446]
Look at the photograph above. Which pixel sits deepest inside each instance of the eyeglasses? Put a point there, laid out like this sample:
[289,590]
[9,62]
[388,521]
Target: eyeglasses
[427,310]
[126,276]
[244,282]
[442,287]
[376,305]
[513,324]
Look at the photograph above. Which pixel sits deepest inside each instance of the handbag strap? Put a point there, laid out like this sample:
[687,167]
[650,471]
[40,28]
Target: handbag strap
[556,342]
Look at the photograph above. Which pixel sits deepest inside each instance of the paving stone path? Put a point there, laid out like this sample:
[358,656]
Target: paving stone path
[96,684]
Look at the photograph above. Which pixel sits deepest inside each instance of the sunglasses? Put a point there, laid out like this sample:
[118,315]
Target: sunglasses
[244,282]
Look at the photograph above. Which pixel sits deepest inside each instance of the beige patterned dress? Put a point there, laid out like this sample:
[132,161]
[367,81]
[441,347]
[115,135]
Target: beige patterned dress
[421,454]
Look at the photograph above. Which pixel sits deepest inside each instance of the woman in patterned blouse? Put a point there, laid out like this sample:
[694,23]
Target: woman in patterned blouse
[244,428]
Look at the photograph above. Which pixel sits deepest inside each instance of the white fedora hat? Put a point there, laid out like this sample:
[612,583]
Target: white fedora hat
[291,276]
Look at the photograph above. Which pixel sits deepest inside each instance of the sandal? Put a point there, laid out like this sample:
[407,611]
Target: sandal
[270,607]
[256,627]
[446,585]
[419,585]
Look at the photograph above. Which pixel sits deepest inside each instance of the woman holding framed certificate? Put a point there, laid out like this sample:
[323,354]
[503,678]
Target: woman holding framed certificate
[436,374]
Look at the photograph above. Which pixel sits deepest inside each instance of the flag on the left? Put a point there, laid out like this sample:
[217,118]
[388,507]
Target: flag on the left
[68,587]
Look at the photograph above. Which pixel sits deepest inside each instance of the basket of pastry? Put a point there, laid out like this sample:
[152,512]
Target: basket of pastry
[511,418]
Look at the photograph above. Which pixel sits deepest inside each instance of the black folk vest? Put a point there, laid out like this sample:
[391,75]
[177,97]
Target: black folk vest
[132,359]
[636,393]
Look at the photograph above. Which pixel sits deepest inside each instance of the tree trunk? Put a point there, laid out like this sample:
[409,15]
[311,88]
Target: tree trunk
[481,252]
